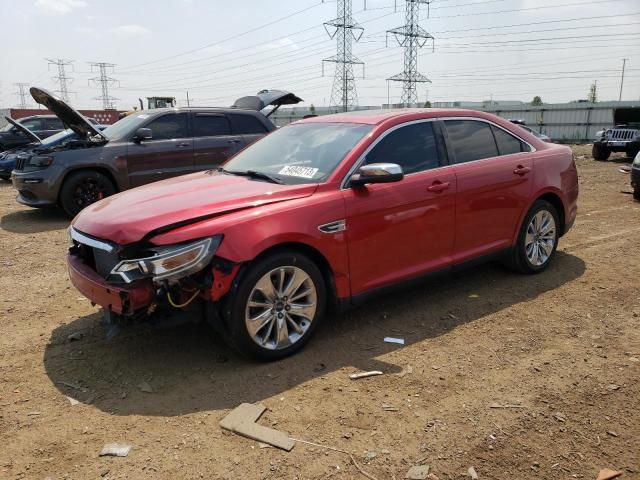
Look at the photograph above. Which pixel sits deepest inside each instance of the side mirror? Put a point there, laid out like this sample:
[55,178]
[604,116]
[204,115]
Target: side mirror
[143,134]
[376,173]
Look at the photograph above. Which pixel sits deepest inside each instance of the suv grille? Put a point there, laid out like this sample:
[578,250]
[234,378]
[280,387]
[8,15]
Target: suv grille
[21,161]
[621,134]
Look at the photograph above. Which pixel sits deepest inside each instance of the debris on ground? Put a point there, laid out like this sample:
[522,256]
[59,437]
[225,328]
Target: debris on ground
[418,472]
[353,459]
[612,433]
[145,387]
[75,336]
[372,373]
[389,408]
[559,416]
[73,401]
[399,341]
[242,420]
[406,371]
[472,473]
[607,474]
[115,450]
[497,405]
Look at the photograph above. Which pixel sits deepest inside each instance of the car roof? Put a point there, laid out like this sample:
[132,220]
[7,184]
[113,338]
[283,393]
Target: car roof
[198,109]
[35,116]
[375,117]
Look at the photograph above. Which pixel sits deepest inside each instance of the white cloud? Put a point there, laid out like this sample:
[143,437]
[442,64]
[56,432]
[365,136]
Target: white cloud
[58,7]
[130,30]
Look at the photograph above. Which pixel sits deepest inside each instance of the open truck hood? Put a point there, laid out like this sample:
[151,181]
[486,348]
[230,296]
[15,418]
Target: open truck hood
[265,98]
[69,116]
[30,135]
[132,215]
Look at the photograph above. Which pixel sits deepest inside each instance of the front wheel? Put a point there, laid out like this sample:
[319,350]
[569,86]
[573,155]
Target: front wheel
[537,240]
[277,306]
[600,153]
[83,188]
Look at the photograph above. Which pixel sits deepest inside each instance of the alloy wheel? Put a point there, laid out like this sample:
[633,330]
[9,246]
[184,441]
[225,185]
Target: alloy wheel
[281,307]
[540,238]
[89,191]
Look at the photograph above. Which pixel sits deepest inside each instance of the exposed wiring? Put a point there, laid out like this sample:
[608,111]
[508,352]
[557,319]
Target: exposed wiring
[182,305]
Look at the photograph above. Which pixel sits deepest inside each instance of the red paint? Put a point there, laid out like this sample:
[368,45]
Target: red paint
[103,117]
[395,231]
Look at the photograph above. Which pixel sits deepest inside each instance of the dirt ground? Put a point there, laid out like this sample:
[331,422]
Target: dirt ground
[562,349]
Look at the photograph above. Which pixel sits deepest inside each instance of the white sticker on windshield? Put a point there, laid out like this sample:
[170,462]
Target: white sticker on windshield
[298,171]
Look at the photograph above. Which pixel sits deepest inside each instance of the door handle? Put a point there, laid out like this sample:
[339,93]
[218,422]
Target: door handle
[438,186]
[520,170]
[183,145]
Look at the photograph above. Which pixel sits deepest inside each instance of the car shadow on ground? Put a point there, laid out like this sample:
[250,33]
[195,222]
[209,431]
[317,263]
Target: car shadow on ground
[34,221]
[190,370]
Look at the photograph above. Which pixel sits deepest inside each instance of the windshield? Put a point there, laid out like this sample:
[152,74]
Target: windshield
[303,153]
[123,127]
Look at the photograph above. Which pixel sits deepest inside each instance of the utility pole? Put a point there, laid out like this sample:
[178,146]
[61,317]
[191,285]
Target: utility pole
[22,94]
[188,103]
[344,29]
[624,64]
[61,79]
[411,36]
[104,81]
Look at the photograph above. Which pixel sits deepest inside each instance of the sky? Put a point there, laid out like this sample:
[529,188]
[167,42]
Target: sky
[219,50]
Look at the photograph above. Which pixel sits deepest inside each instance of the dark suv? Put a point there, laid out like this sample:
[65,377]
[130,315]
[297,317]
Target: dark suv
[142,148]
[43,126]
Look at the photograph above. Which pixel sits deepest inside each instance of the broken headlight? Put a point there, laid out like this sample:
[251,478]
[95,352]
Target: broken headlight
[169,263]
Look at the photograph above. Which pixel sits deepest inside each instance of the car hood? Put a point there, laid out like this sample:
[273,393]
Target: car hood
[65,112]
[30,135]
[265,98]
[130,216]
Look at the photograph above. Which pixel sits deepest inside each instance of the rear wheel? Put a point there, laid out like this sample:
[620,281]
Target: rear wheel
[600,153]
[537,240]
[83,188]
[277,306]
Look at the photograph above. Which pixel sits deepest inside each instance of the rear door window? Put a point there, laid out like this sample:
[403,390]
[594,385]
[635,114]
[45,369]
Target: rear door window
[246,124]
[413,147]
[167,127]
[471,140]
[33,124]
[205,125]
[507,143]
[53,124]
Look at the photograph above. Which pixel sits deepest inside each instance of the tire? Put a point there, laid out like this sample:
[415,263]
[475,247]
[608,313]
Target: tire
[636,194]
[523,258]
[81,189]
[631,153]
[274,313]
[600,153]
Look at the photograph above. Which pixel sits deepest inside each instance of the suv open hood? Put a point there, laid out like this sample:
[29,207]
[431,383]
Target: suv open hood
[264,98]
[69,116]
[30,135]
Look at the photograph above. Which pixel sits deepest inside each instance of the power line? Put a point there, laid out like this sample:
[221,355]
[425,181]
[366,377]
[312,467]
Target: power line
[22,94]
[61,79]
[104,81]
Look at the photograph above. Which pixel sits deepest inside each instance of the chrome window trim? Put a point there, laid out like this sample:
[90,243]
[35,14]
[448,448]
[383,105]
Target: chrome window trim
[91,242]
[358,163]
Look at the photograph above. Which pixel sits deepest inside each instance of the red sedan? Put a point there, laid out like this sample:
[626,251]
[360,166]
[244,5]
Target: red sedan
[325,212]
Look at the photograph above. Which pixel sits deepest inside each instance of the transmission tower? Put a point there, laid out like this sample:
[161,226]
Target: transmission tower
[105,82]
[22,94]
[411,36]
[61,79]
[344,29]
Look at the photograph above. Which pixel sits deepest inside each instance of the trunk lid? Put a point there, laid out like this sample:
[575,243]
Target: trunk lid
[265,98]
[132,215]
[65,112]
[30,135]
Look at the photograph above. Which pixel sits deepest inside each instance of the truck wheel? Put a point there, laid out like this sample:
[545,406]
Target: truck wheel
[537,240]
[600,153]
[277,306]
[83,188]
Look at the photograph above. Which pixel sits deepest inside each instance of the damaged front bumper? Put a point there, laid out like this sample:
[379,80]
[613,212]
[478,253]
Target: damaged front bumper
[122,300]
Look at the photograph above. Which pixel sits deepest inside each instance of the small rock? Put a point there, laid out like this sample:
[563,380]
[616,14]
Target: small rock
[145,387]
[104,472]
[612,433]
[370,455]
[472,473]
[73,401]
[115,450]
[613,387]
[75,336]
[634,359]
[420,472]
[560,417]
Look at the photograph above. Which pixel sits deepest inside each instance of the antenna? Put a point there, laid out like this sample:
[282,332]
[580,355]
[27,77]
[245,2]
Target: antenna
[104,81]
[344,30]
[411,36]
